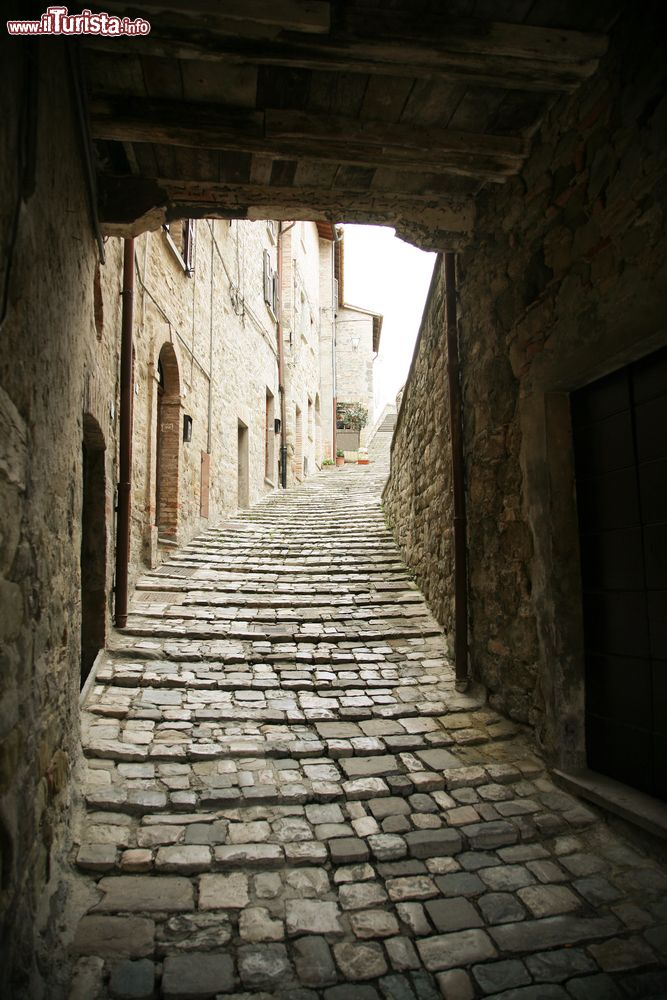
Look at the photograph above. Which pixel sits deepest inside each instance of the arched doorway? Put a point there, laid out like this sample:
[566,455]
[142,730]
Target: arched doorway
[168,444]
[93,546]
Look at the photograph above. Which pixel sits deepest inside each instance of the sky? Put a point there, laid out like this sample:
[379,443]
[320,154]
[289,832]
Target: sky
[390,277]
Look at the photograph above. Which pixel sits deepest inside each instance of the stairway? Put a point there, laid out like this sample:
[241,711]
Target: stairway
[285,795]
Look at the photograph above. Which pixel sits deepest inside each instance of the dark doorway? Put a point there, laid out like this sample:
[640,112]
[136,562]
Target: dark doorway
[93,546]
[620,440]
[168,444]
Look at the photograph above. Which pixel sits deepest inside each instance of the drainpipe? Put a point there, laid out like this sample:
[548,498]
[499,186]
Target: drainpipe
[125,435]
[281,359]
[338,236]
[458,479]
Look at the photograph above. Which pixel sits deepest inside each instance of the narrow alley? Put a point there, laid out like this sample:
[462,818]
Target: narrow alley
[287,798]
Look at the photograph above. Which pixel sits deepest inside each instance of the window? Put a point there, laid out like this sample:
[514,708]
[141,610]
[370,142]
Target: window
[270,285]
[181,239]
[310,418]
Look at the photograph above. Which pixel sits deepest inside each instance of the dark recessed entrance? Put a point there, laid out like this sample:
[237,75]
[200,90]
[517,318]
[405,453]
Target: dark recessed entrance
[620,441]
[93,546]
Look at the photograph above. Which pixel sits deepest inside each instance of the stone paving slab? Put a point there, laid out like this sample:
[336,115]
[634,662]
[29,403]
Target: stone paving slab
[287,799]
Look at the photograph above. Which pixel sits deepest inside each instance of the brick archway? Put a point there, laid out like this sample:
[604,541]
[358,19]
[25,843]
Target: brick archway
[168,444]
[93,545]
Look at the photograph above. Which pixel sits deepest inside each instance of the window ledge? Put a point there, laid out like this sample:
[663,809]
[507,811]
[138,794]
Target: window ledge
[630,804]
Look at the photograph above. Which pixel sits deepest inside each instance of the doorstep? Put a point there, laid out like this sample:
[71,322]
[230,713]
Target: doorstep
[622,800]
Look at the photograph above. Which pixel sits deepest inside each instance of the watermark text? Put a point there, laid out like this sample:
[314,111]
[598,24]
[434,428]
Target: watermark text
[59,21]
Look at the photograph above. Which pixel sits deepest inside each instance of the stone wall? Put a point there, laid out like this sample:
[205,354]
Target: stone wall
[418,496]
[53,370]
[216,340]
[327,334]
[566,281]
[301,331]
[354,365]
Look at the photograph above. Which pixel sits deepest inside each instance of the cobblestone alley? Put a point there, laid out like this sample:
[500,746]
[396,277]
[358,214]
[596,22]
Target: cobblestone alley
[286,797]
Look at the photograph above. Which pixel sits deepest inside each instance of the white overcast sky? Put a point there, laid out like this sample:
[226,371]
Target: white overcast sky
[391,277]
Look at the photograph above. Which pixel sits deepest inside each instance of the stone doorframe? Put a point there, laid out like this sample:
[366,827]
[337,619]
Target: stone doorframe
[550,509]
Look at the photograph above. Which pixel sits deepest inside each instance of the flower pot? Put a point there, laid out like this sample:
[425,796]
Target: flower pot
[340,461]
[362,457]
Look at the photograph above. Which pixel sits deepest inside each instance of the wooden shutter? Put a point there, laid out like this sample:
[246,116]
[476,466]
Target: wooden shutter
[268,283]
[188,243]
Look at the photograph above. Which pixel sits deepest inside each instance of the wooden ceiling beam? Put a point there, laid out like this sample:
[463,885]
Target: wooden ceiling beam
[307,16]
[482,55]
[287,135]
[285,124]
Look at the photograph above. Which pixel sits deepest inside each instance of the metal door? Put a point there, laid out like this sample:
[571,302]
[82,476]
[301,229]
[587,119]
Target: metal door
[620,444]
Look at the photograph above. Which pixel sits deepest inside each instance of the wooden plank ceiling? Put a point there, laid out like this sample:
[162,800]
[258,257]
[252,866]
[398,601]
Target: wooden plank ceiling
[367,111]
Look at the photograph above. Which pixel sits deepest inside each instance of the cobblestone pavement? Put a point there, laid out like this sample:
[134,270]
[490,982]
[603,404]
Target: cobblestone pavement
[287,798]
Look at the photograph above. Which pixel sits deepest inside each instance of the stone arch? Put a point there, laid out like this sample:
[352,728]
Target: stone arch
[93,545]
[168,444]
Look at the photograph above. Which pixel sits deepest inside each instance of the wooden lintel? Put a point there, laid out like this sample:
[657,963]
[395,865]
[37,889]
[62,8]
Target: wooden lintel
[474,36]
[376,56]
[124,200]
[286,135]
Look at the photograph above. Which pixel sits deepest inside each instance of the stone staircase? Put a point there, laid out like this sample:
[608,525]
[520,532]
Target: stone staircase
[286,797]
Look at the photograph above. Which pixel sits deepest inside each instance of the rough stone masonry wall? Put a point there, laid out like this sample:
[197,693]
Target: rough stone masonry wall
[327,327]
[566,281]
[219,333]
[301,332]
[48,368]
[354,366]
[418,497]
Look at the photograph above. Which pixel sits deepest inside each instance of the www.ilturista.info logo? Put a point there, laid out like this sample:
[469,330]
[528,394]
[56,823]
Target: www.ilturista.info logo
[58,21]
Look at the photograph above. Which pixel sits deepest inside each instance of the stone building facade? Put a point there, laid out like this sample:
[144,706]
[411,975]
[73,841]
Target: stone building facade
[566,284]
[357,344]
[205,379]
[304,300]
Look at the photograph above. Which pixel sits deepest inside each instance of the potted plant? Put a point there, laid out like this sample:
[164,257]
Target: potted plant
[327,463]
[340,457]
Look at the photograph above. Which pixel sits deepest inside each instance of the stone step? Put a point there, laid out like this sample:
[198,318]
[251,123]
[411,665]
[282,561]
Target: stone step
[291,568]
[182,613]
[146,791]
[267,675]
[295,603]
[200,579]
[325,826]
[306,632]
[348,706]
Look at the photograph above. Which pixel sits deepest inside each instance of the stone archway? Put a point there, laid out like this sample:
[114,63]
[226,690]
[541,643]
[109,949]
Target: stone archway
[93,545]
[168,444]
